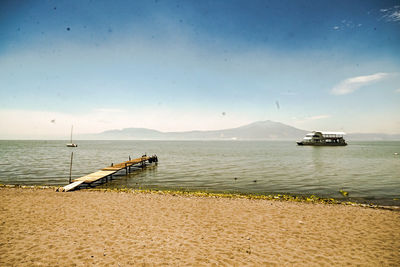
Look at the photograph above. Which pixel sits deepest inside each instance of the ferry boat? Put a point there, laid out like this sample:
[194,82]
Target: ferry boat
[323,139]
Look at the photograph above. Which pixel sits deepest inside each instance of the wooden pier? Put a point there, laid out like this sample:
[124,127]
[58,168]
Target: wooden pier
[105,174]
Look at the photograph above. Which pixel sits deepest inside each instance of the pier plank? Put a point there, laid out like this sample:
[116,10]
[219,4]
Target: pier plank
[90,178]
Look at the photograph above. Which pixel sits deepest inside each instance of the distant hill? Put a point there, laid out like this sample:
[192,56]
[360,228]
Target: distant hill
[131,133]
[261,130]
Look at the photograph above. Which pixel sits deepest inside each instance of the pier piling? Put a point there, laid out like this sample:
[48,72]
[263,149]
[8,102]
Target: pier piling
[70,167]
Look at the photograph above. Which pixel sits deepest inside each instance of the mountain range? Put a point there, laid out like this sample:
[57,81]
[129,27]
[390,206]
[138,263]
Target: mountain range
[260,130]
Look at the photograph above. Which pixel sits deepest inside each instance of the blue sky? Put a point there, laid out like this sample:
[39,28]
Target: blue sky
[185,65]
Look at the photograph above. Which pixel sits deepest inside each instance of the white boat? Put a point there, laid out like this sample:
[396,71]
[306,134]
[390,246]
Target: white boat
[71,144]
[319,138]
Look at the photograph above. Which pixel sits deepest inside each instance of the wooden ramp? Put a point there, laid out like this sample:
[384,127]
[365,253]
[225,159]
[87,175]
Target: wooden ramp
[70,186]
[93,177]
[108,172]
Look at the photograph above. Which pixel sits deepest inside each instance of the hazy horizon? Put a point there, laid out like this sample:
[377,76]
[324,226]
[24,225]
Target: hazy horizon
[198,65]
[147,136]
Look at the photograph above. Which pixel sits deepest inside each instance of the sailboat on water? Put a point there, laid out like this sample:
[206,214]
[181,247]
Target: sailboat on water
[72,144]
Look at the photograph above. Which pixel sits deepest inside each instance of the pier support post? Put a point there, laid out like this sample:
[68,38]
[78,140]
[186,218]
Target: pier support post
[70,168]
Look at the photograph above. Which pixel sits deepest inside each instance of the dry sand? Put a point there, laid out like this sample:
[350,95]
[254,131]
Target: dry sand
[43,227]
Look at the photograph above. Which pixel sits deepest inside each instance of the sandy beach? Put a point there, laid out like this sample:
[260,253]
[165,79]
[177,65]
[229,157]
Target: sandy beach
[48,228]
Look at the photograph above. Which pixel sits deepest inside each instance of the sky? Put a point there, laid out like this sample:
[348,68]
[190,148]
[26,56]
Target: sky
[198,65]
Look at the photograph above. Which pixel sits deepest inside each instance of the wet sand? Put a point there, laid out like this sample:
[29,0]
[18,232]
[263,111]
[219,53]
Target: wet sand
[48,228]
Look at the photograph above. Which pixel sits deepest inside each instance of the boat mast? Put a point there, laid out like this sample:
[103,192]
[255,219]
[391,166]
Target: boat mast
[71,132]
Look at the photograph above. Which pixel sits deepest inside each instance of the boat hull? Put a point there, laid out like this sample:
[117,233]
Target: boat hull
[72,145]
[320,144]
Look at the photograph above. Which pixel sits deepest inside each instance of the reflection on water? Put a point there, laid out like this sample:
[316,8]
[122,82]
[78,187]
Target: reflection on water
[364,169]
[317,162]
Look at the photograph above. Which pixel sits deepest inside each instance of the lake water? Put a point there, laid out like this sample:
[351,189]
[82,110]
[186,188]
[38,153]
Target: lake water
[369,171]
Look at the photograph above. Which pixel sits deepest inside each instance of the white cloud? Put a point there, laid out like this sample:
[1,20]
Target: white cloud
[318,117]
[346,24]
[391,14]
[395,16]
[352,84]
[397,90]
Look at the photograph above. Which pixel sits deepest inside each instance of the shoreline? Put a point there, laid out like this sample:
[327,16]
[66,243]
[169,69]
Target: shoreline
[203,193]
[100,227]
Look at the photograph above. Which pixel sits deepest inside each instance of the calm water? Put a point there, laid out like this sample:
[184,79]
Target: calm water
[367,170]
